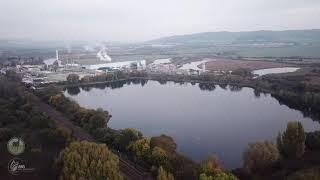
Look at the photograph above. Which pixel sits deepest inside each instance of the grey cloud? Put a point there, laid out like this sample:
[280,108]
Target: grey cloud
[128,20]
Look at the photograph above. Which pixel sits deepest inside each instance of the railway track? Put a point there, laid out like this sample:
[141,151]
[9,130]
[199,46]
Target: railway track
[127,170]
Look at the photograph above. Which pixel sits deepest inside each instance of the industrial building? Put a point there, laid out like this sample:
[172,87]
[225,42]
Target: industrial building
[140,65]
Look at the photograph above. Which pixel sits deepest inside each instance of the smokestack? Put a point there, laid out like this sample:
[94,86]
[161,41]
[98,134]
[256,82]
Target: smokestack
[57,55]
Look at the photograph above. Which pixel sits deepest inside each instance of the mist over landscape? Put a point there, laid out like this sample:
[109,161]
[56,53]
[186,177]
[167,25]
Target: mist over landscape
[160,90]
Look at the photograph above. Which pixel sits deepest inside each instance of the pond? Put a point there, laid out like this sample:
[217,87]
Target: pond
[262,72]
[202,118]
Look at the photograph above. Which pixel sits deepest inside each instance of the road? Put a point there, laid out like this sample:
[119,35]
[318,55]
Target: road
[127,170]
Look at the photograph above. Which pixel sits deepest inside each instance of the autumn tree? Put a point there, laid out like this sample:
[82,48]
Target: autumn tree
[164,175]
[126,136]
[210,169]
[209,165]
[159,157]
[88,160]
[164,142]
[292,142]
[219,175]
[73,78]
[260,155]
[140,148]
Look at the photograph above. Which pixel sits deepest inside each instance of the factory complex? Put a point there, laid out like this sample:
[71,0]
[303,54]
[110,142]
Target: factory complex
[53,70]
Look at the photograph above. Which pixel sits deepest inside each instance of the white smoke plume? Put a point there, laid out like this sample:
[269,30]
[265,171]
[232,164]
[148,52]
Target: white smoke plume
[88,48]
[103,56]
[68,47]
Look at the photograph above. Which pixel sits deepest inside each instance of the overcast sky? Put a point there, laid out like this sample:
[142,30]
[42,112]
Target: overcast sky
[138,20]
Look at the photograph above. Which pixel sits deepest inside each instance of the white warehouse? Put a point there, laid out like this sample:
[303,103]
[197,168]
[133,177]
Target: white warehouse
[140,64]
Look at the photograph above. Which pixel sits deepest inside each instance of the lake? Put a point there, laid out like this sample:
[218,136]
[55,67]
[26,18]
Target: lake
[202,118]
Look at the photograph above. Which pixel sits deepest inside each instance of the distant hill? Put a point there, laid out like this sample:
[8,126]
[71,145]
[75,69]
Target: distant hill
[290,36]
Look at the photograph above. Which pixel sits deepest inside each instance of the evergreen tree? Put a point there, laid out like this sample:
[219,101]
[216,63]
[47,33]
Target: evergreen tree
[292,141]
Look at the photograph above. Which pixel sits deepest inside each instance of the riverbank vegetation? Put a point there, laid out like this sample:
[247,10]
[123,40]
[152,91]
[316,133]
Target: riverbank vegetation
[290,158]
[51,150]
[20,117]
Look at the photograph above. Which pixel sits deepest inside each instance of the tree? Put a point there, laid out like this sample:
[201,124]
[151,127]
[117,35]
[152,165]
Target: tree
[164,142]
[203,176]
[259,156]
[73,78]
[292,142]
[86,78]
[164,175]
[210,169]
[159,157]
[98,119]
[88,160]
[219,175]
[140,148]
[126,136]
[209,165]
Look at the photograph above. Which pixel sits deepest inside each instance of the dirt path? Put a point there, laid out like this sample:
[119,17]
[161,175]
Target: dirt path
[126,169]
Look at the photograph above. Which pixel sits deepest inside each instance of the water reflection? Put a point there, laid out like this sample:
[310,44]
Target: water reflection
[235,88]
[73,90]
[307,112]
[223,86]
[257,93]
[207,86]
[202,118]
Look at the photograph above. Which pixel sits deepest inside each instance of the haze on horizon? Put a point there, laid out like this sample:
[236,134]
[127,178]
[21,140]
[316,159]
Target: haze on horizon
[127,20]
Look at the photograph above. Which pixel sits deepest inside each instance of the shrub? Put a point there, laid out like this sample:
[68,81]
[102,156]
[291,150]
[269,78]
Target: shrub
[218,175]
[260,155]
[313,140]
[164,175]
[73,78]
[242,72]
[308,174]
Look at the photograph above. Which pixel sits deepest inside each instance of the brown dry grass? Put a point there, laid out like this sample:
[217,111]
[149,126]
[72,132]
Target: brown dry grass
[231,65]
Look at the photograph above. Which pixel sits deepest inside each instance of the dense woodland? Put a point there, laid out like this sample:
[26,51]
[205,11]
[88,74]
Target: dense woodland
[20,117]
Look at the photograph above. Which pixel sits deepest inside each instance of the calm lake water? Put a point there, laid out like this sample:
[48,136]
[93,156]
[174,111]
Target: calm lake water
[203,119]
